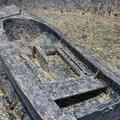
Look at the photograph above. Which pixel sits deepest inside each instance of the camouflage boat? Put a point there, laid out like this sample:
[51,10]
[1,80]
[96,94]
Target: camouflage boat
[55,78]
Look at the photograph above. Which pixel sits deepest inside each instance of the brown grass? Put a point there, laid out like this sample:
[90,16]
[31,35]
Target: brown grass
[99,34]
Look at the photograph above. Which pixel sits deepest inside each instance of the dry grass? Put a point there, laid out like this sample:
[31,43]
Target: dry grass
[98,34]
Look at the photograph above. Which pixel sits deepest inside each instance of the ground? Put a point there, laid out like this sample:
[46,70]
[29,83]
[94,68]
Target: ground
[99,34]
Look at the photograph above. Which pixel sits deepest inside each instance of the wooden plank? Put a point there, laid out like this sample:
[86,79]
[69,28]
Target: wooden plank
[69,61]
[40,73]
[69,88]
[78,63]
[101,107]
[41,57]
